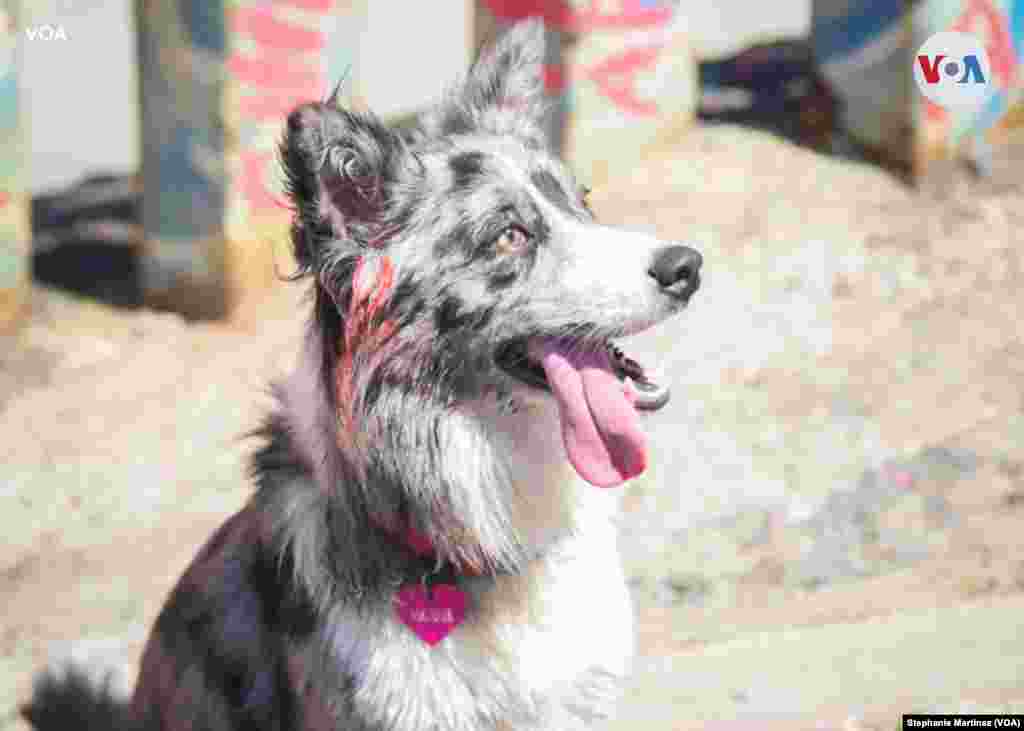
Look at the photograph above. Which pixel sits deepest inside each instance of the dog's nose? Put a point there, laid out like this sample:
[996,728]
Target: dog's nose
[676,269]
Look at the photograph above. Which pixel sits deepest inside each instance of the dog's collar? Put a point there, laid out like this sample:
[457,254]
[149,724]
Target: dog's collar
[436,567]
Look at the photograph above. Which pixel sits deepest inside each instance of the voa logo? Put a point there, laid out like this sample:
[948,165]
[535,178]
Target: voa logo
[952,69]
[46,33]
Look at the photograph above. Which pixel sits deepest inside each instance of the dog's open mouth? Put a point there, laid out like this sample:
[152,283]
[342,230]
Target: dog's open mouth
[650,394]
[598,391]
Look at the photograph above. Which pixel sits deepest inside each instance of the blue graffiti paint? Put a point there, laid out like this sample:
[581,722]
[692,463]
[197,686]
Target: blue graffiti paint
[1017,28]
[8,101]
[859,23]
[204,20]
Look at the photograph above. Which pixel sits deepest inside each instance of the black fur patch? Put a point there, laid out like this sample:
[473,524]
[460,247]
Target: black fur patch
[72,700]
[403,300]
[484,316]
[283,605]
[551,189]
[450,315]
[467,168]
[459,238]
[501,279]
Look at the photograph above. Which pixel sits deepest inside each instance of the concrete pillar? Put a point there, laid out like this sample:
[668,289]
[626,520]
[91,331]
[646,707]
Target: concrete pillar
[15,232]
[866,50]
[217,80]
[622,73]
[973,134]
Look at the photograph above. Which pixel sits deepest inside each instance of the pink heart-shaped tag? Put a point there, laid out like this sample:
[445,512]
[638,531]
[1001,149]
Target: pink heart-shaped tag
[431,615]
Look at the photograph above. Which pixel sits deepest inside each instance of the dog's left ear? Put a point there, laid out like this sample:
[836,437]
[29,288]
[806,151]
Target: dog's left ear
[504,91]
[340,168]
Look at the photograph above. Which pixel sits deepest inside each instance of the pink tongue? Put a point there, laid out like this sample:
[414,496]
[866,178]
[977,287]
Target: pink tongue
[600,426]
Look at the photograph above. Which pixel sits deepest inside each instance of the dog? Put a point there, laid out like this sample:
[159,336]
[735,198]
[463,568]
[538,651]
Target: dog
[429,545]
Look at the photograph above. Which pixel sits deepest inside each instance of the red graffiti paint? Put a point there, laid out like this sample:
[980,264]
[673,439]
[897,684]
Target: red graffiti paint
[5,198]
[254,188]
[984,19]
[934,112]
[265,29]
[314,6]
[616,78]
[270,107]
[633,14]
[556,13]
[561,15]
[554,78]
[283,70]
[266,73]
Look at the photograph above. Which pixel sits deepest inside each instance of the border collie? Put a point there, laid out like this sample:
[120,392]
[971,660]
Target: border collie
[428,546]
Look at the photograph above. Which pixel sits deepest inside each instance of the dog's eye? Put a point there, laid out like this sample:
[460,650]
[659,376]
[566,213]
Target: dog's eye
[513,240]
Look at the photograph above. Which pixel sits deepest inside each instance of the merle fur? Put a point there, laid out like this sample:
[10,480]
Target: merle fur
[434,199]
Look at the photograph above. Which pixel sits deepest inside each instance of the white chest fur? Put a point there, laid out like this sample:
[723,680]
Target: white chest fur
[543,649]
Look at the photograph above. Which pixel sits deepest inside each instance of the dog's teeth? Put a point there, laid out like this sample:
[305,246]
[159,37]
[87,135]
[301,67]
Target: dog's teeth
[653,374]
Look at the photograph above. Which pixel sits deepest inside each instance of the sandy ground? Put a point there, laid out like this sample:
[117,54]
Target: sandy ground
[831,531]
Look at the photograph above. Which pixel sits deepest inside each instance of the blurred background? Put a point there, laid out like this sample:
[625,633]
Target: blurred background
[831,530]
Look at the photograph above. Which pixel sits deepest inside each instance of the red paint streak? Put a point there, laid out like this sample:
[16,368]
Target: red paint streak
[372,283]
[254,165]
[370,290]
[554,78]
[260,24]
[982,18]
[316,6]
[616,78]
[5,198]
[267,73]
[560,14]
[344,377]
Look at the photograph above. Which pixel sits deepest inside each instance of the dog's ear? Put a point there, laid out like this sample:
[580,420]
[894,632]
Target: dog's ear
[504,90]
[511,73]
[339,167]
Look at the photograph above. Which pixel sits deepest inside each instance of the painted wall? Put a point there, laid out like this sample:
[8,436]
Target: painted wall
[13,198]
[942,133]
[867,47]
[864,51]
[627,76]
